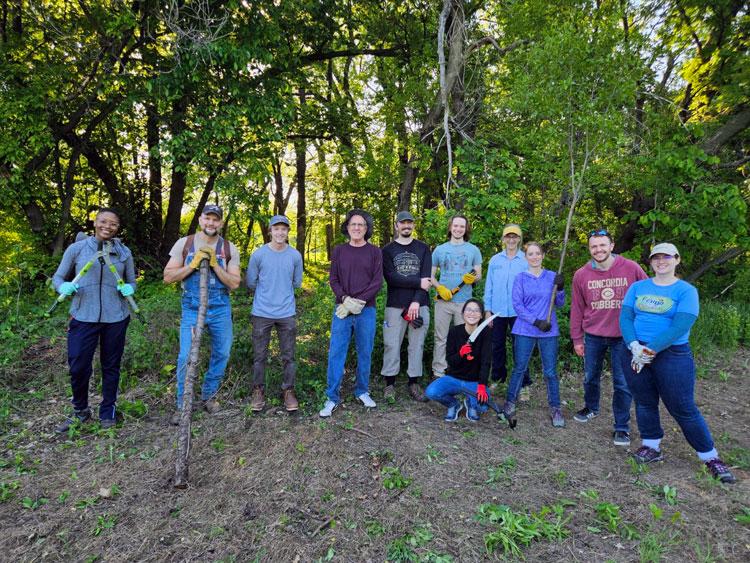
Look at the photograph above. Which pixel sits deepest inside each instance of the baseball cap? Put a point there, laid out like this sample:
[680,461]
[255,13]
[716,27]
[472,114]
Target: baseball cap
[512,229]
[404,216]
[664,248]
[215,209]
[276,219]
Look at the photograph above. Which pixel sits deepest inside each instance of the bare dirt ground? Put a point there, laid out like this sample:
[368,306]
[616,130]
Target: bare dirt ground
[276,487]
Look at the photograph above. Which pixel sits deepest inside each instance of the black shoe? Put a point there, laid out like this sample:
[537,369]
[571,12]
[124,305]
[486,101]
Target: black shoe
[78,416]
[620,438]
[107,423]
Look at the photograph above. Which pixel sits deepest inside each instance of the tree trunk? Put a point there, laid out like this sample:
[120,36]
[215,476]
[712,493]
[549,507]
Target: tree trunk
[178,184]
[154,180]
[183,435]
[300,150]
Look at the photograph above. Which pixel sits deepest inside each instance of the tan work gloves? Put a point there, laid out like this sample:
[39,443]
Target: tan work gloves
[350,306]
[205,253]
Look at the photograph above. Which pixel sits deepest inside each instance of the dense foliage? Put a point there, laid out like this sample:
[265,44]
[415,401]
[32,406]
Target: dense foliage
[506,110]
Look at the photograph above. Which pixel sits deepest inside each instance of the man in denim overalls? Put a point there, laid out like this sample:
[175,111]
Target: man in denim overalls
[224,276]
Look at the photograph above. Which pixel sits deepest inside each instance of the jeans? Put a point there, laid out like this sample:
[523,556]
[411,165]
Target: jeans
[444,388]
[595,348]
[363,327]
[501,330]
[287,330]
[447,314]
[219,326]
[671,378]
[82,340]
[394,328]
[523,347]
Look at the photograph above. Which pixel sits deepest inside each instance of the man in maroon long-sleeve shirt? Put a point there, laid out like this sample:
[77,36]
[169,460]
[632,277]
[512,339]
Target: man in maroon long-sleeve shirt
[598,290]
[355,278]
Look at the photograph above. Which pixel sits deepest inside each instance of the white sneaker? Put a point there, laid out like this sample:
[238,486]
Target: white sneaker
[365,399]
[328,409]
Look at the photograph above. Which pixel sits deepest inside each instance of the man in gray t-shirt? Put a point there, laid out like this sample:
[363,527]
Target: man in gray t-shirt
[273,273]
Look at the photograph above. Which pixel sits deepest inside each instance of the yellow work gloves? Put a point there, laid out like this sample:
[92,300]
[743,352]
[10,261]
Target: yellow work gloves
[444,293]
[469,278]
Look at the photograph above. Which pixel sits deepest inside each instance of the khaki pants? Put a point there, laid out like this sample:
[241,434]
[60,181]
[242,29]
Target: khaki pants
[447,314]
[394,328]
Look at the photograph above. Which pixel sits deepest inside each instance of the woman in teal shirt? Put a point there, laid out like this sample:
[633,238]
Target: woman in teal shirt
[656,318]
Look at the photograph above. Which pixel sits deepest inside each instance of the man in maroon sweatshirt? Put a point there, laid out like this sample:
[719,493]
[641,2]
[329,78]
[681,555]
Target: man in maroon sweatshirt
[598,290]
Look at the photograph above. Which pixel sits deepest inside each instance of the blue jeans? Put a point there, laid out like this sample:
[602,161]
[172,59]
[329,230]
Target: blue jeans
[501,330]
[595,347]
[83,338]
[523,346]
[444,388]
[219,326]
[363,327]
[671,378]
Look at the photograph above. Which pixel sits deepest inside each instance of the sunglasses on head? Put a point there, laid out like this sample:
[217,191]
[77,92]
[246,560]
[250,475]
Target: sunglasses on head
[599,233]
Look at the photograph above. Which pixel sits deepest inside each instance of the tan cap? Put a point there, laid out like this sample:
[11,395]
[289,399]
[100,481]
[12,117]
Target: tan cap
[512,229]
[664,248]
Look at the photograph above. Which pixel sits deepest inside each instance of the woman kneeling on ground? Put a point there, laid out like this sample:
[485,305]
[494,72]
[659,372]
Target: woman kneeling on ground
[99,313]
[655,320]
[532,291]
[468,367]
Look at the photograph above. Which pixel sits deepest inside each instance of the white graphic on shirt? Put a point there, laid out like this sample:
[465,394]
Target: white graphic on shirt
[406,264]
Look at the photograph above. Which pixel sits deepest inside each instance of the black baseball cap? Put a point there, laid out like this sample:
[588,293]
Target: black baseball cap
[215,209]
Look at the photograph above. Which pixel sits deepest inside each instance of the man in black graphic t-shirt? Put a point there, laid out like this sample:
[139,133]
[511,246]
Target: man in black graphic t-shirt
[407,266]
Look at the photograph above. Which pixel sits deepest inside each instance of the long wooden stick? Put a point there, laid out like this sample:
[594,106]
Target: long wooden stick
[183,433]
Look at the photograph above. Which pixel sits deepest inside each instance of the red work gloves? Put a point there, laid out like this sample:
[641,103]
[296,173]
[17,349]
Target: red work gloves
[482,396]
[466,352]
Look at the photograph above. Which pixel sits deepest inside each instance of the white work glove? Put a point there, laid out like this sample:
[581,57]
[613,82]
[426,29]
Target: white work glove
[354,306]
[342,312]
[641,355]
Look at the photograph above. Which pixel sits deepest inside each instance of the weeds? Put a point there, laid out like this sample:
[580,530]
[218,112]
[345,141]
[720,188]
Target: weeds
[7,490]
[743,517]
[104,523]
[502,471]
[655,545]
[516,530]
[32,504]
[393,479]
[434,455]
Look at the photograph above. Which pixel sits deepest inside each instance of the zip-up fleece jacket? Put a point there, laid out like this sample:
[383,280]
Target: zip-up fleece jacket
[97,299]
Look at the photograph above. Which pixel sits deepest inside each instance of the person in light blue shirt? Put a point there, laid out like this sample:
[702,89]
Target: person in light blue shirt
[655,320]
[460,265]
[498,290]
[273,273]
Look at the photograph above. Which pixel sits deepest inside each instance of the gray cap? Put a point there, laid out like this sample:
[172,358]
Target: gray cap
[277,219]
[404,216]
[664,248]
[215,209]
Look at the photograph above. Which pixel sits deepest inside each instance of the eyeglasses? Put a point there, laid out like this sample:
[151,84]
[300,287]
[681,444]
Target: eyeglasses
[599,233]
[472,310]
[357,224]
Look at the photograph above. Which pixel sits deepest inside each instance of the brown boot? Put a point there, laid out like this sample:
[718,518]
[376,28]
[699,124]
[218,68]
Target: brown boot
[416,393]
[290,401]
[212,406]
[258,402]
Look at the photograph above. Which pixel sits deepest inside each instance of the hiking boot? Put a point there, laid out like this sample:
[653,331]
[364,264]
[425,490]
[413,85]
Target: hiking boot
[585,414]
[389,394]
[471,413]
[647,455]
[176,416]
[452,414]
[621,438]
[328,409]
[720,471]
[107,423]
[258,402]
[525,394]
[367,401]
[416,393]
[558,420]
[78,416]
[211,406]
[509,410]
[290,400]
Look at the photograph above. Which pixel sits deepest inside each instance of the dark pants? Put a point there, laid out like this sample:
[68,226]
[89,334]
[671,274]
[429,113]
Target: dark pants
[82,340]
[286,328]
[501,331]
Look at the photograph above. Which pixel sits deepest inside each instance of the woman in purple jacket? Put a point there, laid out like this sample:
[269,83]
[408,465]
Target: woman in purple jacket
[532,291]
